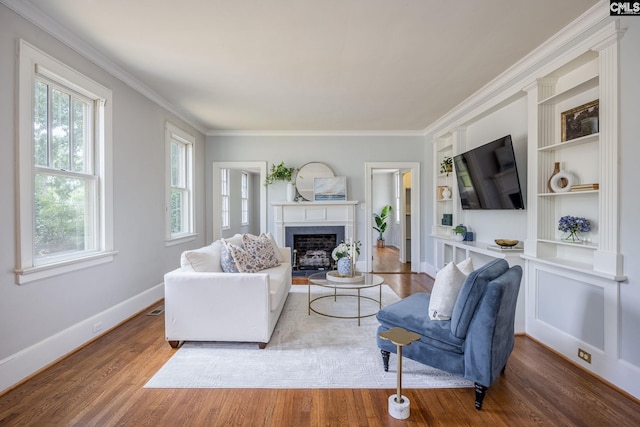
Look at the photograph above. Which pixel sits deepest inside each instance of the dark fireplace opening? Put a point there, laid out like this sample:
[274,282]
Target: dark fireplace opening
[311,247]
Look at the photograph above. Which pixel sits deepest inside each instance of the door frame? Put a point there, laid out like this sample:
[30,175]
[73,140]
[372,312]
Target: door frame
[414,167]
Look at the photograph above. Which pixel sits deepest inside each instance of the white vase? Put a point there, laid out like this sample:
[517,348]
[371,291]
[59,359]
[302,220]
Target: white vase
[291,192]
[446,193]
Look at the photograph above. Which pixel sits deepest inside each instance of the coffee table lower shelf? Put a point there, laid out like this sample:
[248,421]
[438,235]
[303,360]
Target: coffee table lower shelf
[368,281]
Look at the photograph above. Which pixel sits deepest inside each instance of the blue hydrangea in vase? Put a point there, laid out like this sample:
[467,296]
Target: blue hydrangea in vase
[572,226]
[345,254]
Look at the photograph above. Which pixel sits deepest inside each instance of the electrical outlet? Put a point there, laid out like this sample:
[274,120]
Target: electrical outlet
[584,355]
[97,327]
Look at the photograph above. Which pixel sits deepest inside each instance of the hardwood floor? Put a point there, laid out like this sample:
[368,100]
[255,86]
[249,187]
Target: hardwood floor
[386,260]
[102,385]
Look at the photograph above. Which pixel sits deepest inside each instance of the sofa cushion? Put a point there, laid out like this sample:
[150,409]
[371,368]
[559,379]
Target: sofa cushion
[227,261]
[245,262]
[205,259]
[470,294]
[445,290]
[408,313]
[261,249]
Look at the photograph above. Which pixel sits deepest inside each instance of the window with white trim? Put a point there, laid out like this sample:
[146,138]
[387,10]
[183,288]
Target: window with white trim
[180,200]
[225,193]
[244,197]
[64,168]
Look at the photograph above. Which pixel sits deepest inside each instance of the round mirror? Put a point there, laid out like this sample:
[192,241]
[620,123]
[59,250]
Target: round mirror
[306,176]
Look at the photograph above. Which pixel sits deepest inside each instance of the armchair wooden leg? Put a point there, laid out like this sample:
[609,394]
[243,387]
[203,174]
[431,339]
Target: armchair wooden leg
[385,359]
[481,391]
[174,344]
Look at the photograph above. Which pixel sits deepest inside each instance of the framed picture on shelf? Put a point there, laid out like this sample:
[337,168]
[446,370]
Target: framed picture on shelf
[330,188]
[580,121]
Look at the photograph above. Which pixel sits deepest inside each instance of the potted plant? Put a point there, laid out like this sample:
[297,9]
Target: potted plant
[381,224]
[446,165]
[459,232]
[280,172]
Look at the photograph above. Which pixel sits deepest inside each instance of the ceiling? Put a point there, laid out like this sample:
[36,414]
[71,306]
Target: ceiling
[314,65]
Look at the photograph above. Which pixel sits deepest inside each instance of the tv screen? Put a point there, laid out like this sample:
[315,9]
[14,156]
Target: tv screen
[488,177]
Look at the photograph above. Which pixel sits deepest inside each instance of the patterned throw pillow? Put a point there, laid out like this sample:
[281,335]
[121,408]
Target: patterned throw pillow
[245,262]
[261,249]
[227,262]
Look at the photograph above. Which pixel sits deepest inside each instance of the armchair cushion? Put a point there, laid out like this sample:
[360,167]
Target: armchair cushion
[408,313]
[472,290]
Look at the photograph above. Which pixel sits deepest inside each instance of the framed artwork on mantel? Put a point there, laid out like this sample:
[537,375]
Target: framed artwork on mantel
[330,189]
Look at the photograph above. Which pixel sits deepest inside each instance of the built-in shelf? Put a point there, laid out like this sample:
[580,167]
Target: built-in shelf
[571,143]
[569,243]
[568,193]
[592,83]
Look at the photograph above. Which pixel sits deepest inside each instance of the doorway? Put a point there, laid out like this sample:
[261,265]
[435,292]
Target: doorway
[396,184]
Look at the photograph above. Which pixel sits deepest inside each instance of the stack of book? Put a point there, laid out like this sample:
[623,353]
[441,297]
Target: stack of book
[585,187]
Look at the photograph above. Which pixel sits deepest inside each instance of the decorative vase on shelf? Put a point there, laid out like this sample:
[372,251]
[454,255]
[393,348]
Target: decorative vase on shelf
[573,236]
[446,193]
[559,180]
[344,266]
[291,192]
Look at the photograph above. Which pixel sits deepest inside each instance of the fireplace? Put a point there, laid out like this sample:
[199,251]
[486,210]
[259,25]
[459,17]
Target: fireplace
[312,246]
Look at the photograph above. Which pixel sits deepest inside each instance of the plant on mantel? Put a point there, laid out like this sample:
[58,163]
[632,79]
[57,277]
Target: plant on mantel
[280,173]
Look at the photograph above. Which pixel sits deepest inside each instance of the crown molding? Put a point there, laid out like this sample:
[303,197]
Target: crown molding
[315,133]
[31,13]
[520,70]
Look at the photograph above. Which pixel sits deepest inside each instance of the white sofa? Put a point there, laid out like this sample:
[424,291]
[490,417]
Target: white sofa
[218,306]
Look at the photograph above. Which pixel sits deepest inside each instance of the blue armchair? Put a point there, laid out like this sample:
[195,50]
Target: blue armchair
[478,339]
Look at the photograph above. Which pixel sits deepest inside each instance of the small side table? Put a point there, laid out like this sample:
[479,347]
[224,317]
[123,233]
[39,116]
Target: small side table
[399,404]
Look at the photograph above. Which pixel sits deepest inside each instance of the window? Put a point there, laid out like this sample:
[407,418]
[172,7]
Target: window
[180,200]
[64,186]
[224,198]
[398,193]
[244,197]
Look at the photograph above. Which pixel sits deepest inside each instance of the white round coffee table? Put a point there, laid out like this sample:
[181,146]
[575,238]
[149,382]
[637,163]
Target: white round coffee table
[368,280]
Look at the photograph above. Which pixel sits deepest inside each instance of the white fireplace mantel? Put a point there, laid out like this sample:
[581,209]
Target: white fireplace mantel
[312,214]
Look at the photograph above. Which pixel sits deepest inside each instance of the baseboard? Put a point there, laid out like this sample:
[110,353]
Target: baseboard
[621,375]
[20,366]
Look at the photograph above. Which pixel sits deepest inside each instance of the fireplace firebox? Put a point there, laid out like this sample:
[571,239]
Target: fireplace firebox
[312,247]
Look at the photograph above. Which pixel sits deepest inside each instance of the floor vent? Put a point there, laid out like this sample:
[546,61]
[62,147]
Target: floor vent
[156,311]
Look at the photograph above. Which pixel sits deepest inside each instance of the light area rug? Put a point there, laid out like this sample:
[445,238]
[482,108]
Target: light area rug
[305,351]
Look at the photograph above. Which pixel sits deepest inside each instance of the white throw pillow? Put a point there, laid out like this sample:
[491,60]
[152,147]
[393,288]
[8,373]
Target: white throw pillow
[276,248]
[446,288]
[204,259]
[466,266]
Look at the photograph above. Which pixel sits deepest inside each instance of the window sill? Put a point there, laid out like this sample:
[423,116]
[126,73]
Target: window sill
[179,240]
[30,274]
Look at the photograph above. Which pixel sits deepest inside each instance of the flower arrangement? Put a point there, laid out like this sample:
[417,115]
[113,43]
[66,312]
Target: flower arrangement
[574,225]
[346,250]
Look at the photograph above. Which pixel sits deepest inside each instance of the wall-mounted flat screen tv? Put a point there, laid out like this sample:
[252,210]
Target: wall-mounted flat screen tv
[488,177]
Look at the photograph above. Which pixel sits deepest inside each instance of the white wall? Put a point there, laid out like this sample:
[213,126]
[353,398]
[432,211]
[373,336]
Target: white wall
[501,224]
[45,319]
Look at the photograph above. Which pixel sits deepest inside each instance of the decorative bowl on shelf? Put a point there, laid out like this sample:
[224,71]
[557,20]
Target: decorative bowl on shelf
[506,243]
